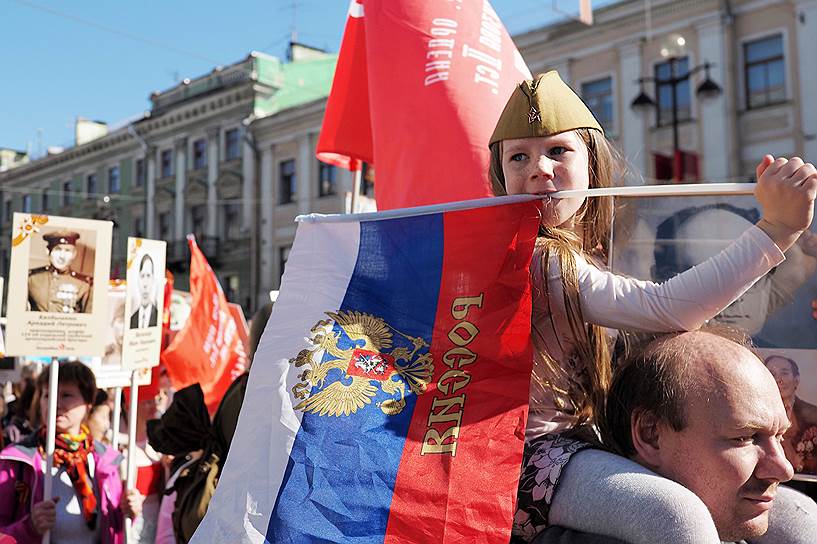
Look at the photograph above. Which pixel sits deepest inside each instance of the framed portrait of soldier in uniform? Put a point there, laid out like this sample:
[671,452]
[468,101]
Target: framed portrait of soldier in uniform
[58,285]
[144,303]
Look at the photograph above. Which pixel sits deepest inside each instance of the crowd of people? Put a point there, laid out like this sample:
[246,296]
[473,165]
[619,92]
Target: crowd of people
[89,502]
[678,439]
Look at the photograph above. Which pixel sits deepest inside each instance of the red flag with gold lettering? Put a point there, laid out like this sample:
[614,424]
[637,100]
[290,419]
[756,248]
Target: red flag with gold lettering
[208,350]
[418,88]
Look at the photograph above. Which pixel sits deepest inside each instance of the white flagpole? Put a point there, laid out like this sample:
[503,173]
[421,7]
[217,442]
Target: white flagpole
[131,463]
[676,189]
[51,433]
[358,176]
[117,416]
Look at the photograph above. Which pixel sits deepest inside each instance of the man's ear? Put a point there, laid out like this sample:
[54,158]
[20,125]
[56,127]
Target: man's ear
[645,429]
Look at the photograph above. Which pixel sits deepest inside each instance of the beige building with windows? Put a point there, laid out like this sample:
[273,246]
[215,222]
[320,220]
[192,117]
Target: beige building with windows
[759,51]
[228,156]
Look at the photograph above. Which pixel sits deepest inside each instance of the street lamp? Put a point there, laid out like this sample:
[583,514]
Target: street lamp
[673,49]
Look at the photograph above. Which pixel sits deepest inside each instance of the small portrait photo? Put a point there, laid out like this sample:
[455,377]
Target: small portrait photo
[144,292]
[117,294]
[658,238]
[61,270]
[795,372]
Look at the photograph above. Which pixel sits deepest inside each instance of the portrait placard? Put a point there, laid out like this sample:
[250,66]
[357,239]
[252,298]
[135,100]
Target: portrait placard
[144,303]
[657,238]
[58,285]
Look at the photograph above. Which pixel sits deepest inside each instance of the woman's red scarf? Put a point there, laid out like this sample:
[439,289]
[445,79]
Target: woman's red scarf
[72,450]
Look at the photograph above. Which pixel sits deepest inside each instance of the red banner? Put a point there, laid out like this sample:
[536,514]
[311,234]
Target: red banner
[208,350]
[418,88]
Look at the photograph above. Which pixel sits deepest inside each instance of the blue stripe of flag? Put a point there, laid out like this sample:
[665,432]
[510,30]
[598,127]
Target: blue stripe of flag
[340,477]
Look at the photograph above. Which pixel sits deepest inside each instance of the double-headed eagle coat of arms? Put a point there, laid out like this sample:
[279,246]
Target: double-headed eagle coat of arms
[353,356]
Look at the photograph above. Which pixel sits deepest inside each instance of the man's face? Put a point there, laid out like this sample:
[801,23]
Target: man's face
[784,375]
[146,283]
[62,255]
[730,454]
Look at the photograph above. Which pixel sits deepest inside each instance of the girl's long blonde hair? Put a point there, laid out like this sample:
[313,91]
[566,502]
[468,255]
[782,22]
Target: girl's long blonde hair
[594,221]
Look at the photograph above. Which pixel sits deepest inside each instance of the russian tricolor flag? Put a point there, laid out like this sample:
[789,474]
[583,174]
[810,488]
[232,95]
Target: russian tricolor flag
[388,396]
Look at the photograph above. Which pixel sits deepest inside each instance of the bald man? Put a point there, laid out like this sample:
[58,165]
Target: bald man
[703,410]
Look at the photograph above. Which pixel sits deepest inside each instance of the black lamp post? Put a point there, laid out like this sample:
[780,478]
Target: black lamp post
[673,51]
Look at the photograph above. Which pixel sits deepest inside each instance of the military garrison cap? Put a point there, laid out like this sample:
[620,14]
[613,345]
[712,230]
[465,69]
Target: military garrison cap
[60,237]
[543,106]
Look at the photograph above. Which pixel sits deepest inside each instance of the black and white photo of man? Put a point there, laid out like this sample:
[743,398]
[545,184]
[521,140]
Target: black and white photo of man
[146,315]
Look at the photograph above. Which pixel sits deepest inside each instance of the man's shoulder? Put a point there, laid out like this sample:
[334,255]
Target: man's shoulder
[805,411]
[79,276]
[39,271]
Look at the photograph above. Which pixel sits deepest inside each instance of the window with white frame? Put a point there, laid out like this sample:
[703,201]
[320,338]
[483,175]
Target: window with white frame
[200,154]
[663,92]
[287,181]
[765,71]
[66,193]
[141,173]
[232,144]
[326,179]
[114,181]
[166,163]
[598,95]
[26,203]
[91,185]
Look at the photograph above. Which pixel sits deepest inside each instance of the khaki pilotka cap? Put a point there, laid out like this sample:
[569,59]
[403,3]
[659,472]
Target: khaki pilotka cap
[542,107]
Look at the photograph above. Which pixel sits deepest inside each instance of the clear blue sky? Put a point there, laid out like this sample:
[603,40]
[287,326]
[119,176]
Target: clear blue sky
[101,59]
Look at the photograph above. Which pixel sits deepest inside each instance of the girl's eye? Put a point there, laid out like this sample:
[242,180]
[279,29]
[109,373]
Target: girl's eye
[557,150]
[516,157]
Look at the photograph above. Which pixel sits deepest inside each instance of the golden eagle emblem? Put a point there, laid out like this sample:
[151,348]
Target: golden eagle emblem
[353,357]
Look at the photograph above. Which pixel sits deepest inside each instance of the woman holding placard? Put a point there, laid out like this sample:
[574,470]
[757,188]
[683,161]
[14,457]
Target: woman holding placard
[87,503]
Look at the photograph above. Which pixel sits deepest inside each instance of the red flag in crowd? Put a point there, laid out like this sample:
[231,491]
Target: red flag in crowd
[208,350]
[418,88]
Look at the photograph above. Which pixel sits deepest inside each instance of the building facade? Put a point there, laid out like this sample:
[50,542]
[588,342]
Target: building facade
[759,51]
[228,157]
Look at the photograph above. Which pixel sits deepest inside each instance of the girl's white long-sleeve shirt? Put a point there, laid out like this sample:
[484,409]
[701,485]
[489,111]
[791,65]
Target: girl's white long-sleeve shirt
[684,302]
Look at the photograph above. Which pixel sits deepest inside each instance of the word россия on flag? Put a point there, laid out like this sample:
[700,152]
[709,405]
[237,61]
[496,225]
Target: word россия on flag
[440,72]
[388,396]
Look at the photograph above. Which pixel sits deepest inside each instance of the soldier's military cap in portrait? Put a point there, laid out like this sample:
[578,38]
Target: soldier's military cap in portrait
[58,287]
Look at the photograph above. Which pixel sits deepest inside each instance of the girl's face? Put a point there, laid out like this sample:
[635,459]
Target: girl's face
[539,166]
[71,408]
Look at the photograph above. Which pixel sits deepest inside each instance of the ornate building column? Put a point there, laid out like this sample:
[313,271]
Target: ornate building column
[632,124]
[248,159]
[266,227]
[150,193]
[806,25]
[306,174]
[211,223]
[715,148]
[181,184]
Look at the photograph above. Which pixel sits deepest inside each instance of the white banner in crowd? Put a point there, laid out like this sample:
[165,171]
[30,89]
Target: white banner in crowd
[144,303]
[57,285]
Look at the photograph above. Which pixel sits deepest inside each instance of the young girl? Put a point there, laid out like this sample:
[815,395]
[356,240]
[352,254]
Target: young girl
[547,140]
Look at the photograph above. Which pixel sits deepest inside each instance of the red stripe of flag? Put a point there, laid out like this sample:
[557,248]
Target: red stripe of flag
[468,493]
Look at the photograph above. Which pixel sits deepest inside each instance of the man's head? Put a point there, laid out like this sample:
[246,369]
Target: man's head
[146,276]
[62,248]
[786,373]
[703,410]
